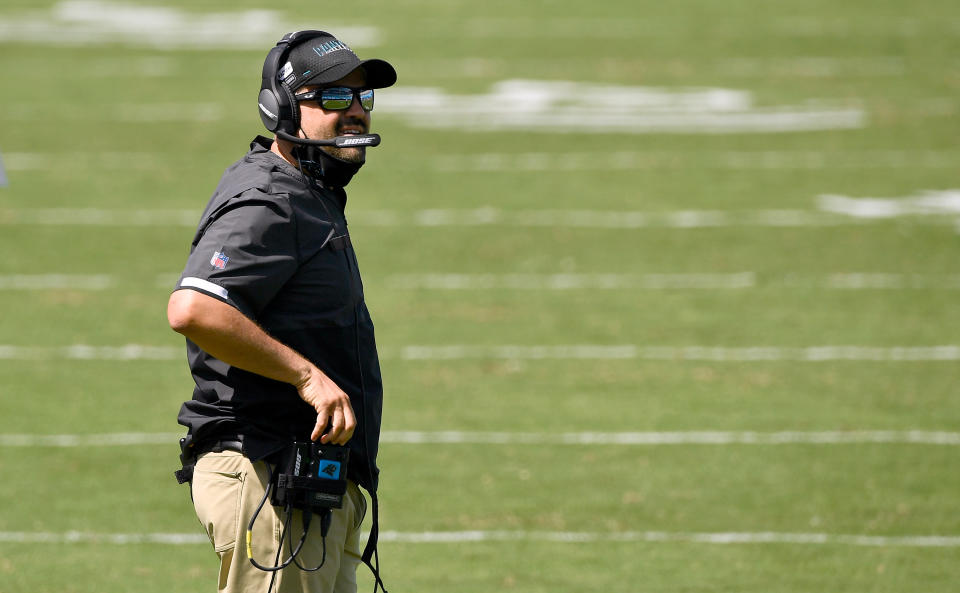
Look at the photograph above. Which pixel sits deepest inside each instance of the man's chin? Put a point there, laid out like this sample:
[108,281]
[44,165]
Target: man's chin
[357,154]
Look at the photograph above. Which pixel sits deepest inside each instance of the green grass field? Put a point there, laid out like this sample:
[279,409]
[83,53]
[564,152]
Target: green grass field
[646,349]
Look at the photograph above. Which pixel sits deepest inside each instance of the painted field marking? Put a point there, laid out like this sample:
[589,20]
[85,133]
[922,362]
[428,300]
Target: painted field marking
[59,282]
[938,353]
[84,537]
[835,213]
[928,203]
[664,281]
[728,538]
[478,536]
[126,352]
[106,160]
[99,22]
[627,439]
[675,438]
[457,218]
[847,281]
[570,281]
[887,281]
[90,440]
[603,219]
[557,106]
[125,112]
[948,352]
[811,160]
[99,217]
[536,162]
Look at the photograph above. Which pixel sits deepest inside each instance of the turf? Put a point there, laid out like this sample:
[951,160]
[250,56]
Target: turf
[126,129]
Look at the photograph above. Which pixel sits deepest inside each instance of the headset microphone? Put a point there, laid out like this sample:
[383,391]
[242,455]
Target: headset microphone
[338,141]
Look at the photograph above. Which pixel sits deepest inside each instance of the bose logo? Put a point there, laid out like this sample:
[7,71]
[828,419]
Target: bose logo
[352,141]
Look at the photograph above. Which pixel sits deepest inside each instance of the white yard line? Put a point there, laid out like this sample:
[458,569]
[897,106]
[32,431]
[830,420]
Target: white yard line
[888,281]
[848,281]
[99,217]
[571,281]
[666,536]
[675,438]
[755,121]
[946,352]
[535,162]
[126,352]
[485,217]
[556,107]
[89,440]
[104,160]
[120,539]
[937,353]
[82,23]
[944,203]
[664,281]
[57,282]
[478,536]
[631,439]
[602,219]
[124,112]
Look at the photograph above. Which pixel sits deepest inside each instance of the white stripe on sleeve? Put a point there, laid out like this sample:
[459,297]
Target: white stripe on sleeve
[205,285]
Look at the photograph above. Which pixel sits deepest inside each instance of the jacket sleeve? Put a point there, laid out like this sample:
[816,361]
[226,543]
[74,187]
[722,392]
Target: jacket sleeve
[244,252]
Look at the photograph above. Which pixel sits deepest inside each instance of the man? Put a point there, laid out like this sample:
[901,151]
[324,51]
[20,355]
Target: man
[279,339]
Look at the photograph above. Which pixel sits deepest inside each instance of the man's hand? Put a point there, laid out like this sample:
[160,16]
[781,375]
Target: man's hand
[332,406]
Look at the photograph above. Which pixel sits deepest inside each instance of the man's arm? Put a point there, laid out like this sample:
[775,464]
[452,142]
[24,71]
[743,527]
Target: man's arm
[230,336]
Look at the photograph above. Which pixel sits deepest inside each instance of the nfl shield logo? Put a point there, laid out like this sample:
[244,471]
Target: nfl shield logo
[219,260]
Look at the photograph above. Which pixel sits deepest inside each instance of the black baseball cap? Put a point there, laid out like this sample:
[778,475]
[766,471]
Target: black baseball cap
[323,59]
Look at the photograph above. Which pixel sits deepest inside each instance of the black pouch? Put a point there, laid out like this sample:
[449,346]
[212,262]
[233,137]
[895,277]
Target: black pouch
[188,459]
[311,476]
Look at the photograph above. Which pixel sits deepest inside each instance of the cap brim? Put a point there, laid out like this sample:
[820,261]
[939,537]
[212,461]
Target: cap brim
[380,74]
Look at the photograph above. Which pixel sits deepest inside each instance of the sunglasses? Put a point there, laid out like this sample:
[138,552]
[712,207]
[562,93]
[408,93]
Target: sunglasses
[338,98]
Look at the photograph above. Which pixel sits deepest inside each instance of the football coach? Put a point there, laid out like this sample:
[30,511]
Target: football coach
[279,339]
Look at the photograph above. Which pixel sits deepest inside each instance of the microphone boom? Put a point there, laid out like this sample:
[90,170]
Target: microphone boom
[352,140]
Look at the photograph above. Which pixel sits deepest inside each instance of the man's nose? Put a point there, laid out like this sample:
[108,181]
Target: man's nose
[355,108]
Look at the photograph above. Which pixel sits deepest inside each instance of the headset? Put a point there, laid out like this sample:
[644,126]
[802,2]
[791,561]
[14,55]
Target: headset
[278,107]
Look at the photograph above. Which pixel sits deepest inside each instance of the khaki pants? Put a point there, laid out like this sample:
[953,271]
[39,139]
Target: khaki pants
[227,487]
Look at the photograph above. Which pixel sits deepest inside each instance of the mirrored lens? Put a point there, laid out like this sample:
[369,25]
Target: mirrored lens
[336,98]
[366,99]
[340,98]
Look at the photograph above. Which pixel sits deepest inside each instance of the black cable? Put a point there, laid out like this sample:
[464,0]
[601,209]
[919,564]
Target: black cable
[324,527]
[256,513]
[276,559]
[293,554]
[374,527]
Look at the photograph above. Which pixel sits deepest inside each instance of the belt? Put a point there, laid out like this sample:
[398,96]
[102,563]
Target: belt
[190,453]
[219,446]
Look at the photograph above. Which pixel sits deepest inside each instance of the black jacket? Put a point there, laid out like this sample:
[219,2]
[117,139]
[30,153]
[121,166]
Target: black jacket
[279,252]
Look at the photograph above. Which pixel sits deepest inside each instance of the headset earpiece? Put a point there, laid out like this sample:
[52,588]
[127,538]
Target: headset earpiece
[277,106]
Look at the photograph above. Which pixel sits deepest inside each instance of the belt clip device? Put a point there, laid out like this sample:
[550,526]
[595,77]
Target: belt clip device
[311,476]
